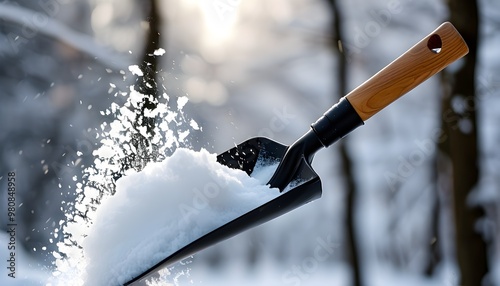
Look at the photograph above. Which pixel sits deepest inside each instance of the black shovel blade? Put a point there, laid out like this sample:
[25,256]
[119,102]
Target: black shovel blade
[305,187]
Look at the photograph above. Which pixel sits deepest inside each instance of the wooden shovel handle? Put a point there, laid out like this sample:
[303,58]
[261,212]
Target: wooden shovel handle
[429,56]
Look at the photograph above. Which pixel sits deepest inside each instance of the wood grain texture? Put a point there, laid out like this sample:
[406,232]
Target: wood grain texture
[406,72]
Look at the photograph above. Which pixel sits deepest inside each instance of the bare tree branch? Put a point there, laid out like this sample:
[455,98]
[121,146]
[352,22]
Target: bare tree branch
[53,28]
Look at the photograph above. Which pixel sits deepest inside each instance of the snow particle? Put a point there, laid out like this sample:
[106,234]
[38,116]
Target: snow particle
[194,125]
[159,52]
[181,102]
[135,70]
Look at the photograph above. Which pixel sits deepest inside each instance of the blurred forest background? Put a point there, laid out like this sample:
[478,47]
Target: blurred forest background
[411,198]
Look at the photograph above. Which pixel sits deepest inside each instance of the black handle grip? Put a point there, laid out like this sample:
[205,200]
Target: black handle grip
[336,122]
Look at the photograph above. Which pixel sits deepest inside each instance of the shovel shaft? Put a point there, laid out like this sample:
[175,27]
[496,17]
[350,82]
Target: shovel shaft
[429,56]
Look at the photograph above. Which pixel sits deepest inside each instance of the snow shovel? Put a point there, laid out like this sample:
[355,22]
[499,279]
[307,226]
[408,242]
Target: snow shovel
[429,56]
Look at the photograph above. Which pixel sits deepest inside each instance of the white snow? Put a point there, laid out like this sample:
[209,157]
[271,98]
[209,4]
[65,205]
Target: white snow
[181,102]
[159,52]
[154,211]
[194,125]
[135,70]
[162,208]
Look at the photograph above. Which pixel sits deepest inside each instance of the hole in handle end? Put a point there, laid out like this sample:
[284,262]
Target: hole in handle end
[434,43]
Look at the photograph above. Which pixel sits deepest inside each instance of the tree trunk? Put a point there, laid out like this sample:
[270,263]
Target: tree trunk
[149,65]
[435,253]
[346,161]
[146,85]
[460,146]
